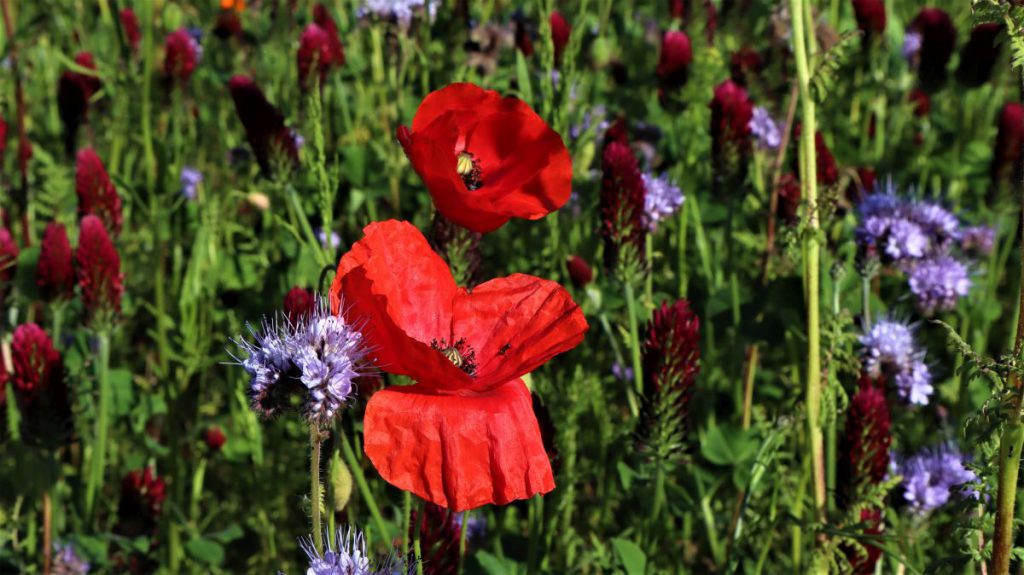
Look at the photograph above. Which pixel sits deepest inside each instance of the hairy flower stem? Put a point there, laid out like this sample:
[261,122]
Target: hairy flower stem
[99,447]
[1010,443]
[417,546]
[406,521]
[315,440]
[808,181]
[364,487]
[634,337]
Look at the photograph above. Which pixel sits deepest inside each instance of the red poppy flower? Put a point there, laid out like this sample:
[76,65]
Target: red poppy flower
[464,435]
[487,159]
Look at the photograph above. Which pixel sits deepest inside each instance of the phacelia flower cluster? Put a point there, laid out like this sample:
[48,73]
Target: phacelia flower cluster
[765,129]
[190,180]
[66,561]
[400,12]
[346,554]
[889,352]
[662,199]
[316,357]
[930,476]
[918,237]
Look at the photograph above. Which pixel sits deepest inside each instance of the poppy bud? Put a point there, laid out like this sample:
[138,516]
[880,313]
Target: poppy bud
[37,365]
[979,55]
[622,207]
[440,534]
[181,55]
[560,31]
[96,193]
[865,461]
[130,28]
[671,362]
[264,124]
[579,271]
[744,63]
[214,438]
[921,101]
[298,304]
[1006,156]
[142,502]
[789,199]
[55,273]
[74,90]
[731,112]
[322,18]
[98,270]
[938,38]
[870,16]
[675,57]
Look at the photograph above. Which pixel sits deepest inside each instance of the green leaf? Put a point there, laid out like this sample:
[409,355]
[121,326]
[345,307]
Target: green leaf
[123,390]
[232,533]
[25,273]
[205,551]
[523,78]
[724,445]
[494,565]
[633,559]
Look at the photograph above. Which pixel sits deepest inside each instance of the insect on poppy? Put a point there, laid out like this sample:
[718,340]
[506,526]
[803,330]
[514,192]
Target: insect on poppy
[464,435]
[487,159]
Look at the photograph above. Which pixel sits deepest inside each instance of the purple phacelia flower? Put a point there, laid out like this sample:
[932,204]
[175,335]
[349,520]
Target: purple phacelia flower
[911,45]
[938,283]
[398,11]
[621,372]
[318,356]
[765,129]
[978,241]
[346,554]
[190,180]
[663,199]
[941,225]
[890,352]
[66,561]
[930,476]
[902,231]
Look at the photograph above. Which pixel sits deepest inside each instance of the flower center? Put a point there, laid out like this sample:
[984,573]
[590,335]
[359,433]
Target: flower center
[459,353]
[469,170]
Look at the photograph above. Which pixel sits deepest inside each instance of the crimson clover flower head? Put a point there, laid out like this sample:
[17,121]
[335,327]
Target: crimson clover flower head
[318,52]
[938,283]
[1006,156]
[623,202]
[937,39]
[889,351]
[98,271]
[979,55]
[55,272]
[560,32]
[580,272]
[731,112]
[96,193]
[870,16]
[37,365]
[130,27]
[264,125]
[674,59]
[141,504]
[182,53]
[440,534]
[867,435]
[316,357]
[299,303]
[930,476]
[790,195]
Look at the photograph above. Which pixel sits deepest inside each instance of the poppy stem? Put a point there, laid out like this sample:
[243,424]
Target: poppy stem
[634,337]
[417,547]
[406,521]
[462,540]
[314,486]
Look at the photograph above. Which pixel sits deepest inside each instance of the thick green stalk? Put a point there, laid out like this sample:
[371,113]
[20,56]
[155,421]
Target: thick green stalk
[809,184]
[314,486]
[406,521]
[99,447]
[417,546]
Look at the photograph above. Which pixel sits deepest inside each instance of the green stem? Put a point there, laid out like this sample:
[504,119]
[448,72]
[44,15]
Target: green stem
[364,487]
[808,180]
[462,541]
[99,447]
[417,546]
[197,491]
[314,486]
[634,337]
[406,521]
[1009,468]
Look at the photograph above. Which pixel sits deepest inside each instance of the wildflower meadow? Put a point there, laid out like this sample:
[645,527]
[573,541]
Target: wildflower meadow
[464,287]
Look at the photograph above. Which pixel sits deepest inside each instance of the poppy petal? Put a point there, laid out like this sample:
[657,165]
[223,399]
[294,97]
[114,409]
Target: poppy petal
[515,324]
[458,451]
[402,292]
[469,101]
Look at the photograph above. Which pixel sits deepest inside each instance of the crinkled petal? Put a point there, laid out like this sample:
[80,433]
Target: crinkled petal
[458,451]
